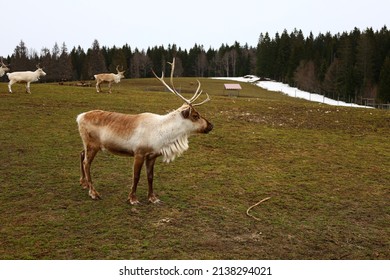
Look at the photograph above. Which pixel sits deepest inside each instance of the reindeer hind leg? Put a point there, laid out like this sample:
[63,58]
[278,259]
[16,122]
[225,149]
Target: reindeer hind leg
[89,155]
[83,180]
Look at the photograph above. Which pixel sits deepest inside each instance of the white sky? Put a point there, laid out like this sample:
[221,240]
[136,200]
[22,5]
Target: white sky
[143,24]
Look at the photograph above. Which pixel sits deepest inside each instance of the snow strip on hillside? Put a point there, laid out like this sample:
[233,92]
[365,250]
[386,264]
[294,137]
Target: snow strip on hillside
[291,91]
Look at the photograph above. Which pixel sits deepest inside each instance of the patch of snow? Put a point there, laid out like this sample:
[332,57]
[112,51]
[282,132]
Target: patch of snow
[290,91]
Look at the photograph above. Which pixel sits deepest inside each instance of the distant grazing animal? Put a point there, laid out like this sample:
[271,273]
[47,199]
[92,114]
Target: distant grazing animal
[3,68]
[144,136]
[108,78]
[25,77]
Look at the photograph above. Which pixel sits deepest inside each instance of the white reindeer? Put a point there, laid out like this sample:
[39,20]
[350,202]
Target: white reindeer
[144,136]
[3,69]
[108,78]
[25,77]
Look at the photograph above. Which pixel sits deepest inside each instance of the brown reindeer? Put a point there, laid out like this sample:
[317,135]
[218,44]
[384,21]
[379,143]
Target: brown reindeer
[143,136]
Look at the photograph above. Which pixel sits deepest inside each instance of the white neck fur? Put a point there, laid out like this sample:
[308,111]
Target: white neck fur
[174,138]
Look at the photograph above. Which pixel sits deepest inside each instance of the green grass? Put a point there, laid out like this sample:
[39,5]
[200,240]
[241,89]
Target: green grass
[326,169]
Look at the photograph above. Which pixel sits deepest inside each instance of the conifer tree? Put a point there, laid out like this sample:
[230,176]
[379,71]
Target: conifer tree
[384,82]
[65,64]
[95,60]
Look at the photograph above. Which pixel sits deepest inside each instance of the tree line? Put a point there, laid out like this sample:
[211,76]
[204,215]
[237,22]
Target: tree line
[78,64]
[347,66]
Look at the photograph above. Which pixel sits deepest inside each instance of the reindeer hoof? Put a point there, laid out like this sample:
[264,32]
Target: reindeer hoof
[84,184]
[132,199]
[154,199]
[94,195]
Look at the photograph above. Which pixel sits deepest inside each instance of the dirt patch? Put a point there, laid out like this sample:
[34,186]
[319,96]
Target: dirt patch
[327,118]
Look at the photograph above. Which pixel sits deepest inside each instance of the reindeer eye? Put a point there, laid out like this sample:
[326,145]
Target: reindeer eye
[196,117]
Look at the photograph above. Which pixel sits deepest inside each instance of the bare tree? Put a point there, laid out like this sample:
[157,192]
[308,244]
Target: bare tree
[139,64]
[330,83]
[226,62]
[233,59]
[179,69]
[305,76]
[202,64]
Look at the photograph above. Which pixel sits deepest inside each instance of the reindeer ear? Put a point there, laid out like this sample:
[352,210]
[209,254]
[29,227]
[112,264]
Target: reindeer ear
[186,113]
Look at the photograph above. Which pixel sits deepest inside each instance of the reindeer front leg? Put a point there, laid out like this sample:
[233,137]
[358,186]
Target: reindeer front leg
[138,162]
[150,161]
[28,87]
[97,86]
[9,86]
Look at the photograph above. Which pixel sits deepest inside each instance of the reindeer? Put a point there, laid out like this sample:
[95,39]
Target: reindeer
[108,78]
[143,136]
[25,77]
[3,68]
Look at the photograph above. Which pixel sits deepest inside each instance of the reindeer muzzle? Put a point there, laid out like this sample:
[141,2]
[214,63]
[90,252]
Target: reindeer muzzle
[208,128]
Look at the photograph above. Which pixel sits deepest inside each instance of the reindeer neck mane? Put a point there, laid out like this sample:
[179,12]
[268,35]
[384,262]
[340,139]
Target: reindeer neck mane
[174,149]
[175,141]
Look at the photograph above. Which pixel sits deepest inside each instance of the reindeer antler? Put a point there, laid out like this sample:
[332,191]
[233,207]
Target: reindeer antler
[2,63]
[174,91]
[119,70]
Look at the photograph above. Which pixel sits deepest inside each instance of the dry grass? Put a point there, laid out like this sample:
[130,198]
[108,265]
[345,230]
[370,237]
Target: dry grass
[326,169]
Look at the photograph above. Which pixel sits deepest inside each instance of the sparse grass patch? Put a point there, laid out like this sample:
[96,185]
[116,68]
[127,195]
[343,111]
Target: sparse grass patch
[325,168]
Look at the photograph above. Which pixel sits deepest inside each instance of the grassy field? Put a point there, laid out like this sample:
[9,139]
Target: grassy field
[326,169]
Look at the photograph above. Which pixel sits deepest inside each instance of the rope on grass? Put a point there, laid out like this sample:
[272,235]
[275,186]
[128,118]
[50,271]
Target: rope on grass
[254,205]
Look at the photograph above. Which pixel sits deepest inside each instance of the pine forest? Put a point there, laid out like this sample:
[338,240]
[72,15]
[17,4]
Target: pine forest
[345,66]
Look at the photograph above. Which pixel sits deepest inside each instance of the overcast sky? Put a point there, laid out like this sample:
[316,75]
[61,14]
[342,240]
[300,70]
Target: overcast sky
[148,23]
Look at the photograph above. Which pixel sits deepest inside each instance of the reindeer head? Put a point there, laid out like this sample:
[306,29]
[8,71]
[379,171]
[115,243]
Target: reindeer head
[3,68]
[120,73]
[40,71]
[199,124]
[188,112]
